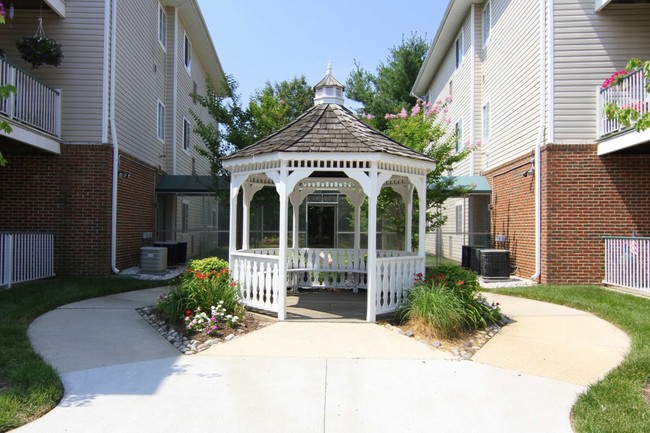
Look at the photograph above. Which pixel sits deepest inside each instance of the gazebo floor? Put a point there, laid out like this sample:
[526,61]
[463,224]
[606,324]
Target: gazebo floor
[327,306]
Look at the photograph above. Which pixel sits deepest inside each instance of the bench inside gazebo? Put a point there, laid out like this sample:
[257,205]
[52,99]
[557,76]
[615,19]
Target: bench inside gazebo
[326,149]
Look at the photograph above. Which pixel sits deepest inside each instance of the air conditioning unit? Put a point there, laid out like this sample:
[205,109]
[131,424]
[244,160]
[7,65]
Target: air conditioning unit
[471,257]
[153,260]
[494,263]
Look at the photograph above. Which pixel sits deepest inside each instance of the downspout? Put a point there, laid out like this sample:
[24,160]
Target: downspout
[116,147]
[540,141]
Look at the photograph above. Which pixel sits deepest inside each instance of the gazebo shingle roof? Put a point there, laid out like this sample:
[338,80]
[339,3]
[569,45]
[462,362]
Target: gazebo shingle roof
[327,128]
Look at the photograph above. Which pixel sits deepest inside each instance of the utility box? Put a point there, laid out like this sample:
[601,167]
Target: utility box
[153,260]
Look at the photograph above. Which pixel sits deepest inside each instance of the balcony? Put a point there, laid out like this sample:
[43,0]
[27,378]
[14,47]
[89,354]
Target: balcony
[612,136]
[33,111]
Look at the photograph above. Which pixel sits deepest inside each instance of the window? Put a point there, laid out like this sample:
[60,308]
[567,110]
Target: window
[185,217]
[487,22]
[459,218]
[459,135]
[161,121]
[162,26]
[459,50]
[486,123]
[188,53]
[187,129]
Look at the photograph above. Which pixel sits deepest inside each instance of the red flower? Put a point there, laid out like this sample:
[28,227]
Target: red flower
[201,276]
[188,313]
[233,284]
[460,282]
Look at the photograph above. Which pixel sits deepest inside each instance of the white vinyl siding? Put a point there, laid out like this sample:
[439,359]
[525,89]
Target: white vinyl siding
[589,47]
[511,81]
[459,135]
[485,136]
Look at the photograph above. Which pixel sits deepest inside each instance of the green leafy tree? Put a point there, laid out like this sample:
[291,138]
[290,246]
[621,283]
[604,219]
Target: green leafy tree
[228,129]
[389,89]
[424,129]
[631,114]
[276,105]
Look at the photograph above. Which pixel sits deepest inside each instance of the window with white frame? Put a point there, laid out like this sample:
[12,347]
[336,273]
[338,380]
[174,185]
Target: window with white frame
[459,135]
[187,53]
[161,120]
[459,49]
[185,217]
[487,21]
[162,26]
[187,129]
[486,123]
[459,218]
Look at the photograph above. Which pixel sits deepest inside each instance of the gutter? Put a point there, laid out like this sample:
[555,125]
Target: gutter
[115,142]
[538,144]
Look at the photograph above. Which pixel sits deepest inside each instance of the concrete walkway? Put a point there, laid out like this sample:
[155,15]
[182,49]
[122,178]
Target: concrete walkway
[120,375]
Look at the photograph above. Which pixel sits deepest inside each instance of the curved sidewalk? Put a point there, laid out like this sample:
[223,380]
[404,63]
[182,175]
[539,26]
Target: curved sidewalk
[120,375]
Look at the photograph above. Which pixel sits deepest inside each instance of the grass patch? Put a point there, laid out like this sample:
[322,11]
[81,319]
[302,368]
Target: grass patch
[616,403]
[29,387]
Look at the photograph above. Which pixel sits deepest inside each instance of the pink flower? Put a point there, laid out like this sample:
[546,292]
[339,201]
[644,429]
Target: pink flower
[368,116]
[415,110]
[448,99]
[403,114]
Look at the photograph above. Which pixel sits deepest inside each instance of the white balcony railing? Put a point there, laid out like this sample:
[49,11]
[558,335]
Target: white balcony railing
[627,262]
[630,93]
[33,103]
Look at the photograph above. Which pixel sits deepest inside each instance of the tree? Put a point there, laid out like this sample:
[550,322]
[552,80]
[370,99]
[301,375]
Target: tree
[424,129]
[276,105]
[389,90]
[630,114]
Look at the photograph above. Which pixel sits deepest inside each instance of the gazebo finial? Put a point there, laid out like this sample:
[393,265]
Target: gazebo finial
[329,68]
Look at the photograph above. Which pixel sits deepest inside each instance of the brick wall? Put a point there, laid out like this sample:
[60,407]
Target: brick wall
[136,211]
[70,195]
[587,197]
[584,197]
[513,213]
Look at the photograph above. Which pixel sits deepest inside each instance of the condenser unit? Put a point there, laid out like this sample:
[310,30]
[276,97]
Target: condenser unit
[494,263]
[153,260]
[471,257]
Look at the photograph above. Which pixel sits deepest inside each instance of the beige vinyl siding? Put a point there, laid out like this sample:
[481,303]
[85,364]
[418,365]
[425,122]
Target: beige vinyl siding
[477,117]
[589,46]
[185,103]
[139,81]
[79,77]
[511,80]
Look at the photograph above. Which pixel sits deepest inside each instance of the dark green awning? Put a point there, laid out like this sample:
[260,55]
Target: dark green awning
[178,184]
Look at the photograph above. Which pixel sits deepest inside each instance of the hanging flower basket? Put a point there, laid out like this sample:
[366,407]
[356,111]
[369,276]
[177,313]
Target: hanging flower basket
[40,50]
[37,51]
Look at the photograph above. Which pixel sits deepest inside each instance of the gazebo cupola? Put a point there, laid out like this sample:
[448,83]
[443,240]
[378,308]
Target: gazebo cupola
[329,90]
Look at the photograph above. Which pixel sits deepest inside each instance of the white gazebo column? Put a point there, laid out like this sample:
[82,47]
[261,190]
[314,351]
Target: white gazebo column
[357,198]
[235,183]
[421,189]
[371,309]
[406,192]
[282,253]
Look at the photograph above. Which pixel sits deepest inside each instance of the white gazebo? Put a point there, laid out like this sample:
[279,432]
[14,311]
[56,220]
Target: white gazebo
[326,149]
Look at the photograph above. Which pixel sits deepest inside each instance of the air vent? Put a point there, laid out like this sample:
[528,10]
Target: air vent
[153,260]
[494,263]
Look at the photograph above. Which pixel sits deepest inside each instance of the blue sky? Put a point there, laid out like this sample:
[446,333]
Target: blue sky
[262,40]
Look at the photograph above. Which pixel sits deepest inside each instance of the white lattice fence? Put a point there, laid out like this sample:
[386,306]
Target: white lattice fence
[627,262]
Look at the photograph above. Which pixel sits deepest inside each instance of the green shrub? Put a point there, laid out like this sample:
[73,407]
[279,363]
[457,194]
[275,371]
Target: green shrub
[205,283]
[447,304]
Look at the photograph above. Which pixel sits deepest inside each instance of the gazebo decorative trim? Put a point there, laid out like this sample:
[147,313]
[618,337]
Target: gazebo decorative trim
[326,148]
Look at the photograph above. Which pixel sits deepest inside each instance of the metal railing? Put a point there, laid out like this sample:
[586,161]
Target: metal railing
[631,92]
[33,103]
[25,257]
[627,262]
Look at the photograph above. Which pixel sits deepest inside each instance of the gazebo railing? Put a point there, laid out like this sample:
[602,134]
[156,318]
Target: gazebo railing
[394,275]
[258,276]
[627,262]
